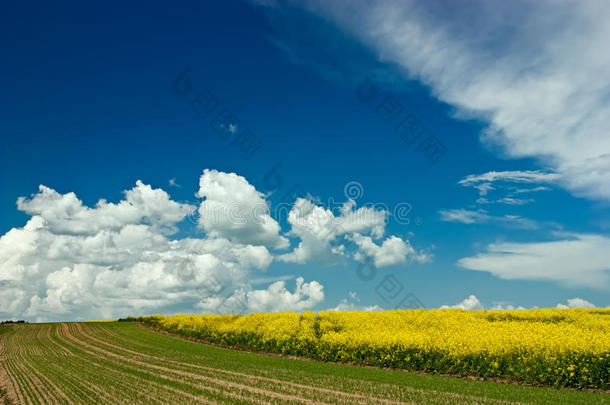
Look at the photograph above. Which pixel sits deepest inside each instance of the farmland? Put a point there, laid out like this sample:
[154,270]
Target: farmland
[126,362]
[555,347]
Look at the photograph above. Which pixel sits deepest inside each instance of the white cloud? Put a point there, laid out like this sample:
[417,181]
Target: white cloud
[363,219]
[392,251]
[530,70]
[352,304]
[505,200]
[576,303]
[470,303]
[323,235]
[480,216]
[464,216]
[473,303]
[66,214]
[71,261]
[514,176]
[232,208]
[499,306]
[277,298]
[498,181]
[318,229]
[113,273]
[515,201]
[530,190]
[575,260]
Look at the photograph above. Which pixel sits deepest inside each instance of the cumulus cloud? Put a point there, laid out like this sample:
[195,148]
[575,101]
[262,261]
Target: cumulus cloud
[232,208]
[576,303]
[71,261]
[470,303]
[529,70]
[132,270]
[392,251]
[318,229]
[324,235]
[66,214]
[480,216]
[277,298]
[574,260]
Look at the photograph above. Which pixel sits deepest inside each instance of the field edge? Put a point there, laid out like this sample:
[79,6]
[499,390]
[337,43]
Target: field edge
[367,366]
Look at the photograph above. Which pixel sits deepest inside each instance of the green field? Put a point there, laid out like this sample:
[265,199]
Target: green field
[124,362]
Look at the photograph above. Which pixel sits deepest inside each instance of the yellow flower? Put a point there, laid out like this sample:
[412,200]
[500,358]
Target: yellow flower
[539,346]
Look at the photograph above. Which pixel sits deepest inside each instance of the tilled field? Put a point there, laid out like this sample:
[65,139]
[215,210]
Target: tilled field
[128,363]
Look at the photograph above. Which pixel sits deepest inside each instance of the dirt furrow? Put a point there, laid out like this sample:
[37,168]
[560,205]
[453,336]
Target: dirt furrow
[55,390]
[49,387]
[78,389]
[118,382]
[24,385]
[281,383]
[162,388]
[12,392]
[297,386]
[71,358]
[6,382]
[89,363]
[455,396]
[188,374]
[244,375]
[31,394]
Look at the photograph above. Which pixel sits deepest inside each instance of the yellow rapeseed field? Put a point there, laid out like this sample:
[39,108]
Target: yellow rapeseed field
[558,347]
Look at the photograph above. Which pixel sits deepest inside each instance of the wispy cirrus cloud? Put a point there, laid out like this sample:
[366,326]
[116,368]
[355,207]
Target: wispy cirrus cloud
[482,182]
[531,71]
[573,260]
[515,201]
[505,182]
[480,216]
[505,200]
[516,190]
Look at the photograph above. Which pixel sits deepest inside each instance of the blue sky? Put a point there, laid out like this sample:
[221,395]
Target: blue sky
[89,107]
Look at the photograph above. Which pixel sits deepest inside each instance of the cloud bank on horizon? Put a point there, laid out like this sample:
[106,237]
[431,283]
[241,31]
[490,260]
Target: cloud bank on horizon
[71,261]
[472,303]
